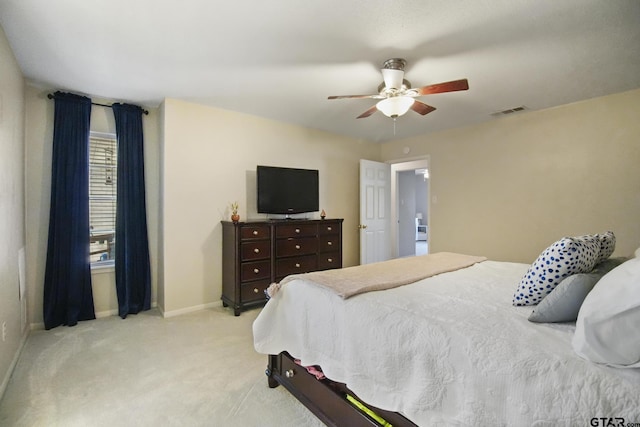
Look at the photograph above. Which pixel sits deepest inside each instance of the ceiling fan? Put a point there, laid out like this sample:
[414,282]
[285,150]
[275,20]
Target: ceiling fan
[396,94]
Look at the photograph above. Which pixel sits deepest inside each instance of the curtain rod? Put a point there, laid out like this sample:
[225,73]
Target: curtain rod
[52,96]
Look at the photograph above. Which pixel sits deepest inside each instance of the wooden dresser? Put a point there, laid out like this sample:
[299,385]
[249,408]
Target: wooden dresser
[258,253]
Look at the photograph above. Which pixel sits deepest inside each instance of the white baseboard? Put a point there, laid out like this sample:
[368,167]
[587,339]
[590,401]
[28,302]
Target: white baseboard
[114,312]
[36,326]
[99,315]
[186,310]
[12,366]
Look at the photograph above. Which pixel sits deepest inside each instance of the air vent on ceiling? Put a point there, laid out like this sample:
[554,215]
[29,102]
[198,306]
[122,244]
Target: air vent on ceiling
[509,111]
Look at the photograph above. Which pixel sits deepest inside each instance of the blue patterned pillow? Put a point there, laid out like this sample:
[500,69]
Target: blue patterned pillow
[567,256]
[607,245]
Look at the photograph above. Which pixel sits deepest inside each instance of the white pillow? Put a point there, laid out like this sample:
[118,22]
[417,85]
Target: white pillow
[563,303]
[608,324]
[567,256]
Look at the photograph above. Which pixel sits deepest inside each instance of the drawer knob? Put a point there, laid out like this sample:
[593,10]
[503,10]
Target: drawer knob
[329,243]
[330,260]
[289,373]
[297,265]
[255,290]
[297,230]
[256,250]
[297,246]
[255,232]
[255,270]
[328,228]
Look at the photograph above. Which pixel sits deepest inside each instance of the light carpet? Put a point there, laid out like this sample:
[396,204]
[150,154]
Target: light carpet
[197,369]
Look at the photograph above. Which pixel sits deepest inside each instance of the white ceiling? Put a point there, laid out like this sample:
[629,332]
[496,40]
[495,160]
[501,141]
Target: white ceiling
[280,59]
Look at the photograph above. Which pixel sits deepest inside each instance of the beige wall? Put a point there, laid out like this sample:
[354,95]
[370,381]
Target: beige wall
[506,188]
[12,226]
[39,137]
[209,160]
[509,187]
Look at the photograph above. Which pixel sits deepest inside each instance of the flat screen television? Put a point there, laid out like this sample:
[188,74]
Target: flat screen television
[286,190]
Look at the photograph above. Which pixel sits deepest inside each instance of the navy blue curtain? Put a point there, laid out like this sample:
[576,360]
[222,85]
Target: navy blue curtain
[68,296]
[133,277]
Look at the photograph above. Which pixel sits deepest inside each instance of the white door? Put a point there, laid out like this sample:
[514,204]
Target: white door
[375,208]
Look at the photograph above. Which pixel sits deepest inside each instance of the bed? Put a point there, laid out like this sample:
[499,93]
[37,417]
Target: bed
[450,349]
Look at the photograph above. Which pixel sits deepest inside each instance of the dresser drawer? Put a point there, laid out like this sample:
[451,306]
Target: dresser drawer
[329,260]
[254,291]
[254,250]
[335,406]
[299,378]
[255,232]
[329,399]
[295,230]
[294,247]
[255,270]
[329,243]
[329,227]
[295,265]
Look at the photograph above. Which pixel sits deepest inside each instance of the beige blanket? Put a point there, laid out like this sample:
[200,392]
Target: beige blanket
[350,281]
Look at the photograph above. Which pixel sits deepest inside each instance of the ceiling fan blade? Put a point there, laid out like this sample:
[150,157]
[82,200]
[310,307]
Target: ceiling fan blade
[451,86]
[367,113]
[376,96]
[422,108]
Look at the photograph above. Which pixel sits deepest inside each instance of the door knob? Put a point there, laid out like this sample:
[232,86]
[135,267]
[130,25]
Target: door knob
[362,226]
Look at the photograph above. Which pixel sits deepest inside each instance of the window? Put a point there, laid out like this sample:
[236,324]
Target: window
[103,159]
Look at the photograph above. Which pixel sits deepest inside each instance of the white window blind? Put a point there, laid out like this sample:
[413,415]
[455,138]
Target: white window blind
[102,196]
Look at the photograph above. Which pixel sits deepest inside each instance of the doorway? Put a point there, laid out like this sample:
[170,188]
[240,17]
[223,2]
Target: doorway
[410,208]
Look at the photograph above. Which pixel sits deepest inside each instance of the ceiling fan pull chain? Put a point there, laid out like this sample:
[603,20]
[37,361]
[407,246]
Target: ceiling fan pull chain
[394,126]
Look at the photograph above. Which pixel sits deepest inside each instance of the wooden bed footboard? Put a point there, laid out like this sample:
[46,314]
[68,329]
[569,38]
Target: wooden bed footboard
[325,398]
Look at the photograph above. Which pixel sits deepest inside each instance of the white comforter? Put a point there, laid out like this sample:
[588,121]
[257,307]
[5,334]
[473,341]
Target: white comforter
[448,350]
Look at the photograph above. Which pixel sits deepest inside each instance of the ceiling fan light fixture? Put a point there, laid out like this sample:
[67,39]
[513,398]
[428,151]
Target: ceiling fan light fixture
[395,106]
[392,78]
